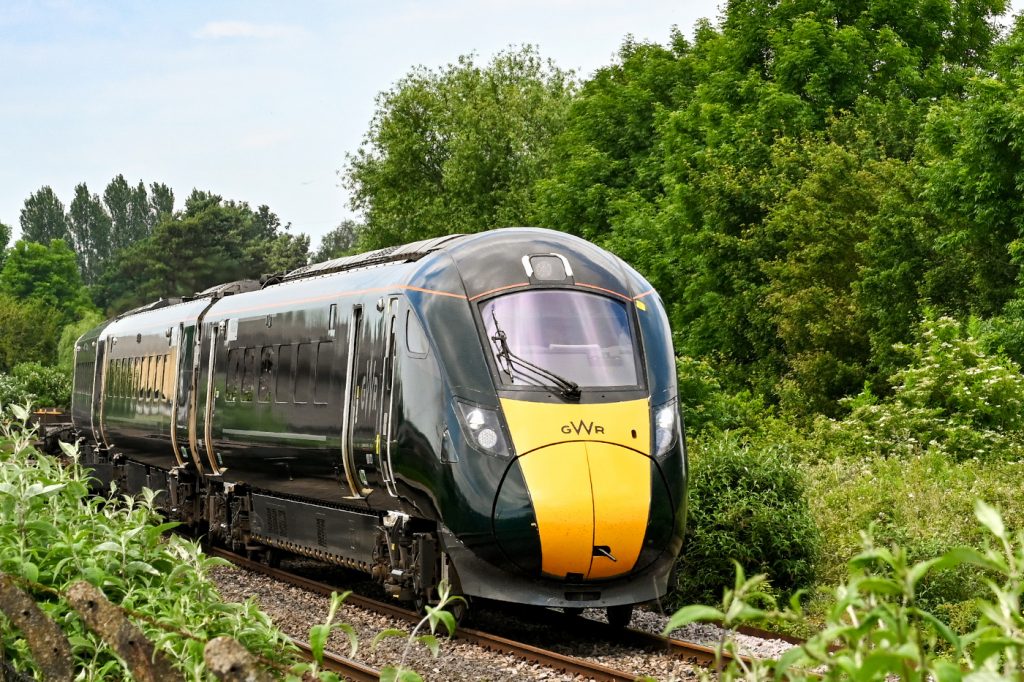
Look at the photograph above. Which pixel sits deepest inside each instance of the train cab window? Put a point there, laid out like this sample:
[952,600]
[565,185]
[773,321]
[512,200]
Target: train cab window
[248,375]
[303,372]
[284,383]
[581,337]
[233,381]
[267,365]
[415,338]
[324,373]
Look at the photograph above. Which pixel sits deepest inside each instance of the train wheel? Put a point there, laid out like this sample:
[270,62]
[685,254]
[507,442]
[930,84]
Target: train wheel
[619,616]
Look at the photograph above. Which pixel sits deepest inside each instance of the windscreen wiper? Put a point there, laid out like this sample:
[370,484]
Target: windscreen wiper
[517,365]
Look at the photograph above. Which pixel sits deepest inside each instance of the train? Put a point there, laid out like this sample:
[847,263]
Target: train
[497,411]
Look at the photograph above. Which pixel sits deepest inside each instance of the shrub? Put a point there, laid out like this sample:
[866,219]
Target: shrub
[706,405]
[53,534]
[953,395]
[747,504]
[33,383]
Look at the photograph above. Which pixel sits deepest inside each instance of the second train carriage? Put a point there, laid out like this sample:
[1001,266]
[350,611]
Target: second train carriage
[497,409]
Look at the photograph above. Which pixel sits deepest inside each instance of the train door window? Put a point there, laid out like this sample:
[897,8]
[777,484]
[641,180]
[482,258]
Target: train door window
[324,372]
[285,381]
[415,338]
[267,363]
[248,375]
[332,319]
[303,372]
[233,382]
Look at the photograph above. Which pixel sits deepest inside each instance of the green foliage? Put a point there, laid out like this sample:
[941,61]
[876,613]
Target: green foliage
[90,233]
[210,242]
[341,241]
[42,218]
[458,149]
[5,237]
[46,274]
[878,628]
[952,396]
[31,382]
[70,334]
[28,332]
[706,405]
[435,616]
[747,505]
[54,533]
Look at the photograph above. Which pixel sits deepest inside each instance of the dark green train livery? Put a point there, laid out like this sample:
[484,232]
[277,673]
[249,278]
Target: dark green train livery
[496,410]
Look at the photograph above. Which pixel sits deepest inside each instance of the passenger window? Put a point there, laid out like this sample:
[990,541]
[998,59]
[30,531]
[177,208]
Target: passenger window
[154,364]
[303,372]
[415,339]
[266,374]
[324,373]
[168,378]
[249,375]
[234,374]
[138,392]
[285,363]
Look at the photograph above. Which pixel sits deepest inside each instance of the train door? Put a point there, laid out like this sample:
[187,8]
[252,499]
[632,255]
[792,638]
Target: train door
[185,423]
[98,388]
[366,415]
[205,364]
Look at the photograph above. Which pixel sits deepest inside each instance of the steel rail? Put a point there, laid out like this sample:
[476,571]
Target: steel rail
[350,669]
[691,653]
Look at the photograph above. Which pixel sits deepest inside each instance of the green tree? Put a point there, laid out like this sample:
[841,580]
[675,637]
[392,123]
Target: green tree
[458,149]
[47,274]
[42,218]
[70,334]
[5,237]
[341,241]
[28,332]
[129,212]
[90,232]
[210,242]
[161,203]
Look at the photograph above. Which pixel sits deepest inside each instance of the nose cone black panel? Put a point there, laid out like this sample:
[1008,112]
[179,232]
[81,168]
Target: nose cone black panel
[515,525]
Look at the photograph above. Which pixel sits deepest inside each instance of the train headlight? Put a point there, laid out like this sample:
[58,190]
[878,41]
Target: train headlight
[483,429]
[666,427]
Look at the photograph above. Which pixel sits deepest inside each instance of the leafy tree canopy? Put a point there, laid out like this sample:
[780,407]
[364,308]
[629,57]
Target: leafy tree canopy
[458,149]
[42,218]
[47,274]
[341,241]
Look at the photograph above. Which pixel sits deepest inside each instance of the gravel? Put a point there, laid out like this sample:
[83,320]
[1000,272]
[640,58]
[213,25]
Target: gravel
[295,610]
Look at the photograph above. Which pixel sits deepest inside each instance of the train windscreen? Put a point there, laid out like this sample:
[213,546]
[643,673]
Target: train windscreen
[547,337]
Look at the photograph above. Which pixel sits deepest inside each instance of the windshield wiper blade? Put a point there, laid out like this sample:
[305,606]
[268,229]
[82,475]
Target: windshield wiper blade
[568,388]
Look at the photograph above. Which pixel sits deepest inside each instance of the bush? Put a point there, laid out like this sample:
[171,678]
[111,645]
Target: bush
[31,382]
[53,533]
[706,405]
[747,504]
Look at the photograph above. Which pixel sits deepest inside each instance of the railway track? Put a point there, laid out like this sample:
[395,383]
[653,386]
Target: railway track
[694,654]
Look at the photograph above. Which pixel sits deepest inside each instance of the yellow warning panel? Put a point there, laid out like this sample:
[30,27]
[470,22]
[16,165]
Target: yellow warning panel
[558,478]
[620,481]
[534,425]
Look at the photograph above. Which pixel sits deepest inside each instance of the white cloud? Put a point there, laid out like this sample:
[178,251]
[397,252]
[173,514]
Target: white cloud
[216,30]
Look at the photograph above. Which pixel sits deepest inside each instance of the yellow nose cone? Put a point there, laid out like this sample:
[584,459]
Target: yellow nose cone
[590,487]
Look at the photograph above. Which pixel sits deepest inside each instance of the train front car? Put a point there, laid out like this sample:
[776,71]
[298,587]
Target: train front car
[563,447]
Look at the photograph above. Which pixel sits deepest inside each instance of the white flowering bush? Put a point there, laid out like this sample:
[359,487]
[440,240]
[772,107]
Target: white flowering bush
[952,396]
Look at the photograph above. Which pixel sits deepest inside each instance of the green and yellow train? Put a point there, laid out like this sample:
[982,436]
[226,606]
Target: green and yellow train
[497,410]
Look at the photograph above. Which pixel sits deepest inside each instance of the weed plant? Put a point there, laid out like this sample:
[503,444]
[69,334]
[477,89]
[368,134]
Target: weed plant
[54,533]
[878,628]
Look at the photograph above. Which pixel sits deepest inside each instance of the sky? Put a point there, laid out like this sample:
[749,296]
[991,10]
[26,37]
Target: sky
[255,101]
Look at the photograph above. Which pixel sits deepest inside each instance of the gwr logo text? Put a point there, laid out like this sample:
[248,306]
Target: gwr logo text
[589,428]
